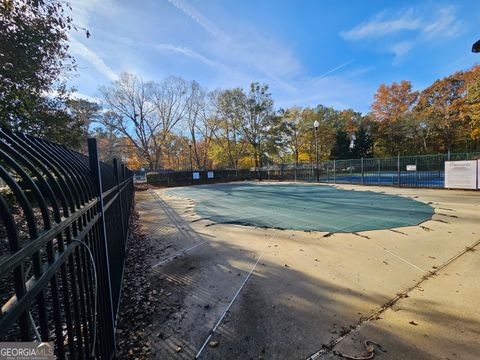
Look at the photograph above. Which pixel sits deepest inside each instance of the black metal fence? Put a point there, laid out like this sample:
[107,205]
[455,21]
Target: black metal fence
[183,178]
[63,230]
[403,171]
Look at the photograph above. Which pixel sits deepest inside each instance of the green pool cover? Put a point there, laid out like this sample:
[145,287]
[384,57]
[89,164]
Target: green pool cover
[303,207]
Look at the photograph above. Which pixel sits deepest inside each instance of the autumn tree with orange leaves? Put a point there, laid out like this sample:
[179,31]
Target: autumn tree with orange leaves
[233,128]
[391,105]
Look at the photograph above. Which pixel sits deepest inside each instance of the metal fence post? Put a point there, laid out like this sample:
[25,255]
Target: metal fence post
[363,175]
[416,171]
[378,164]
[109,318]
[334,171]
[398,169]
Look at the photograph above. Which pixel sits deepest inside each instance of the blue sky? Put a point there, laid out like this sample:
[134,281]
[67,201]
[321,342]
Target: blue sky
[334,53]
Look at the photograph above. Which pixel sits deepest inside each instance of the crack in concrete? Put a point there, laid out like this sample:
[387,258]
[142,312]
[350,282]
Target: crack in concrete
[328,348]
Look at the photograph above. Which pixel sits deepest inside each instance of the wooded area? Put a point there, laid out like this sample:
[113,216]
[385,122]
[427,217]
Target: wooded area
[172,123]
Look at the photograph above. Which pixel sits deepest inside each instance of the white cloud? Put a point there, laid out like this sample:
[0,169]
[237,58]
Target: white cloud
[245,51]
[444,25]
[339,91]
[83,9]
[402,48]
[79,95]
[184,51]
[81,50]
[197,16]
[379,26]
[416,26]
[234,54]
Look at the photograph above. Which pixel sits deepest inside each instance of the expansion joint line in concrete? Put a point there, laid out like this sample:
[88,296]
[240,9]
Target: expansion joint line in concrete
[328,348]
[236,295]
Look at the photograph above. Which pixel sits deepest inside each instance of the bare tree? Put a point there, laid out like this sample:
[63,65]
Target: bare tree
[145,112]
[199,122]
[169,99]
[131,113]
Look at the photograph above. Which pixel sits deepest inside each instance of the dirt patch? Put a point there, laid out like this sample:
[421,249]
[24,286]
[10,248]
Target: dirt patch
[138,301]
[150,303]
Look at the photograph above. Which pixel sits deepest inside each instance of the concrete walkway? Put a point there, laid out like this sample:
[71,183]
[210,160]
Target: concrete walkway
[440,319]
[255,293]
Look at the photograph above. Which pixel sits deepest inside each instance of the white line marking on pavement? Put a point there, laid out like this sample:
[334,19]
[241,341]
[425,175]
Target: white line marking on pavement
[236,294]
[180,253]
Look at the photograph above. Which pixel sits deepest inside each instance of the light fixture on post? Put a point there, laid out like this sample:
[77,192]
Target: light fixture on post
[476,47]
[315,125]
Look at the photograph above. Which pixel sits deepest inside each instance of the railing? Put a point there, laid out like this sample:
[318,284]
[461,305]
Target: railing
[63,229]
[183,178]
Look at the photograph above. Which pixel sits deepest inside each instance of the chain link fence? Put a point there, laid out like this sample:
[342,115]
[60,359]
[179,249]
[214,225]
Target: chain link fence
[404,171]
[426,171]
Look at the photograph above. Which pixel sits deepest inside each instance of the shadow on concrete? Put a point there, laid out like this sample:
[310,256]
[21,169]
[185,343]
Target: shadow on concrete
[281,313]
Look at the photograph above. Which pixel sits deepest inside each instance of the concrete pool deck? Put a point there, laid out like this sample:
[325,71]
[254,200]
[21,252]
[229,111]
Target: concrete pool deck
[290,294]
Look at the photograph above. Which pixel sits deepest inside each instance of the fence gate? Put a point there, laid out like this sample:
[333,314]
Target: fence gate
[63,228]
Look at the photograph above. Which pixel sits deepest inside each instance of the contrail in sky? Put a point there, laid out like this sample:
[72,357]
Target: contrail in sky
[337,68]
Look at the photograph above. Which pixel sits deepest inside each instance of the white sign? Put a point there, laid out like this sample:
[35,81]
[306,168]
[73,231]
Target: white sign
[411,167]
[461,174]
[210,174]
[196,176]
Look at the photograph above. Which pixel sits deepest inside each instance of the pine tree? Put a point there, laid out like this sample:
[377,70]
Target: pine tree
[363,144]
[341,147]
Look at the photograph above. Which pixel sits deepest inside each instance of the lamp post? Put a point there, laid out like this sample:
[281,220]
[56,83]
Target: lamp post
[476,47]
[315,126]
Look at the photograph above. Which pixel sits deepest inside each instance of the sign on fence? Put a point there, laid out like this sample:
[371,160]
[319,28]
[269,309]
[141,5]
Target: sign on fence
[461,174]
[411,167]
[196,176]
[210,174]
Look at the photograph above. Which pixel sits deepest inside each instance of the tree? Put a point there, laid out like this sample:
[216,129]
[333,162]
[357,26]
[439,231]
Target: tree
[363,144]
[200,126]
[391,104]
[255,119]
[33,56]
[131,113]
[83,113]
[293,133]
[470,111]
[51,119]
[170,100]
[225,127]
[341,147]
[440,104]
